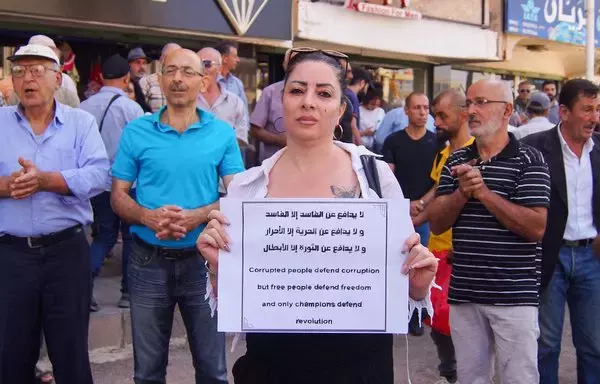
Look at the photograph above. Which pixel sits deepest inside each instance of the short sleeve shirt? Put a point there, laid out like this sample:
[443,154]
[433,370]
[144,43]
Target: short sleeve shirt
[492,265]
[173,168]
[412,160]
[268,115]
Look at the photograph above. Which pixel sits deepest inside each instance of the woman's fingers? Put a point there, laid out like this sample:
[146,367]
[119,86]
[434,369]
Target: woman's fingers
[412,240]
[411,257]
[218,236]
[425,260]
[216,224]
[218,216]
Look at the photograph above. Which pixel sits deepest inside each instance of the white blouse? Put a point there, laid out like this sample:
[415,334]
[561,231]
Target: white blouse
[252,184]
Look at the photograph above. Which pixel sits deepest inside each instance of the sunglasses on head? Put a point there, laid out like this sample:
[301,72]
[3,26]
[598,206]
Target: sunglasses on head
[342,58]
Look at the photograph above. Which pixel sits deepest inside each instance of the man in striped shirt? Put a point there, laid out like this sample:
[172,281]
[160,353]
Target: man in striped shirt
[150,85]
[494,195]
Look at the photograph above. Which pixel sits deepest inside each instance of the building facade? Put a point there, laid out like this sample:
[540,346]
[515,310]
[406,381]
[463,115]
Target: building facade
[97,28]
[403,42]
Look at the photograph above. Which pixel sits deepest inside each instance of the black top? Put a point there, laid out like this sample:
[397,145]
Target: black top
[320,358]
[492,265]
[413,160]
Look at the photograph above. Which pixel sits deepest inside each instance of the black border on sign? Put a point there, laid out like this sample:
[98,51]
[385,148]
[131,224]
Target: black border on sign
[370,202]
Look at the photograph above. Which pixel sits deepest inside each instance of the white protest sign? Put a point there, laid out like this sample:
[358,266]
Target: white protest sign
[331,265]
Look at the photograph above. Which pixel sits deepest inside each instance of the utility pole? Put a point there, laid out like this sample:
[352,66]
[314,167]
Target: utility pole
[590,46]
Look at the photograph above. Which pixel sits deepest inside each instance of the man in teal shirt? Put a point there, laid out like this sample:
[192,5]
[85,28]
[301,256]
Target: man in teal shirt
[176,157]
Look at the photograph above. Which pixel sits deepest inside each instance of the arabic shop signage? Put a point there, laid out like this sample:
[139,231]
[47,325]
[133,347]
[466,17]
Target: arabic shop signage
[557,20]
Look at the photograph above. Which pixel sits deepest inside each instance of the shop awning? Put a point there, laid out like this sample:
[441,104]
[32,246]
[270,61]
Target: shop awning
[535,57]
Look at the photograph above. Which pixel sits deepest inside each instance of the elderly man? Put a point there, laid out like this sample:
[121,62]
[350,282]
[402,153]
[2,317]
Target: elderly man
[494,194]
[219,101]
[67,81]
[150,86]
[176,156]
[267,118]
[113,110]
[67,92]
[138,61]
[52,162]
[570,271]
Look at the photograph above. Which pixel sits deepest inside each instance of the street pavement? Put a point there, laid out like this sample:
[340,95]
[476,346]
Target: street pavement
[115,365]
[422,360]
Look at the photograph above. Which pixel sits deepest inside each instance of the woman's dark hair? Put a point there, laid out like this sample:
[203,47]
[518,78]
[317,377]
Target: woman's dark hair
[345,136]
[573,89]
[320,58]
[372,94]
[139,97]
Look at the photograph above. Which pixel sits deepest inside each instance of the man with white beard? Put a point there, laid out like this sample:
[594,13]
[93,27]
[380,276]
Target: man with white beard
[494,194]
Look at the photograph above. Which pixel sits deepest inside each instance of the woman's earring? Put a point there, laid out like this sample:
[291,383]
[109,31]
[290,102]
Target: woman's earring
[341,132]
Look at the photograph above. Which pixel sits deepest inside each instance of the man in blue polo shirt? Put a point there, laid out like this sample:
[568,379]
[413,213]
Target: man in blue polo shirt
[176,156]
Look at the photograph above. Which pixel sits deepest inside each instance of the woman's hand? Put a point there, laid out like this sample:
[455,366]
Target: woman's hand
[211,240]
[420,265]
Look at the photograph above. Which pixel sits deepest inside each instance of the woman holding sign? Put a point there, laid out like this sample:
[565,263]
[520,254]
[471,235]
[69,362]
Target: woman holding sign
[313,165]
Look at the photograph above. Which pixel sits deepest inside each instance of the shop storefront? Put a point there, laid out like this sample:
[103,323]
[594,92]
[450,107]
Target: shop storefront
[96,29]
[543,39]
[400,41]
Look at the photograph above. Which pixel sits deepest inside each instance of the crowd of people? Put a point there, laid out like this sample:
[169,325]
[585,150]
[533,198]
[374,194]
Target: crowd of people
[503,198]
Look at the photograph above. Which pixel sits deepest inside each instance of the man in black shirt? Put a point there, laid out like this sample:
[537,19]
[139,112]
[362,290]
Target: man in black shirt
[410,154]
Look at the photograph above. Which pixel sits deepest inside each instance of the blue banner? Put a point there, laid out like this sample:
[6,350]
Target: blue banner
[558,20]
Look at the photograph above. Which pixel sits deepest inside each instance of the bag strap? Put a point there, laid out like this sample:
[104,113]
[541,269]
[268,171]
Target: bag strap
[115,97]
[370,168]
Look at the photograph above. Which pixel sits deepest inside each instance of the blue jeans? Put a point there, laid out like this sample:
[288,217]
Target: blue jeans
[576,282]
[423,230]
[156,285]
[108,227]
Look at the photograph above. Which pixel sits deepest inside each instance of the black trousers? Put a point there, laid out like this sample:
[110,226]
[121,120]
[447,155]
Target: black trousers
[445,350]
[46,289]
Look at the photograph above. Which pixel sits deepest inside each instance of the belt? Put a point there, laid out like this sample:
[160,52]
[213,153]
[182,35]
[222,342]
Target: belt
[577,243]
[35,242]
[165,252]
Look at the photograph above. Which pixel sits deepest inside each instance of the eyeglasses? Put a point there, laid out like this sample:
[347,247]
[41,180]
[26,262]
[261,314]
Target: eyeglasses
[171,70]
[37,70]
[342,58]
[208,64]
[524,90]
[482,101]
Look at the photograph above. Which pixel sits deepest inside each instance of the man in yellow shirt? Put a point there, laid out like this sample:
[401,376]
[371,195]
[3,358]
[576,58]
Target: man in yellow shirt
[451,121]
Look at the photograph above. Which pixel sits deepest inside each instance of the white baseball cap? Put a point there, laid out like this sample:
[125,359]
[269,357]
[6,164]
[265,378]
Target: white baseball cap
[33,50]
[42,40]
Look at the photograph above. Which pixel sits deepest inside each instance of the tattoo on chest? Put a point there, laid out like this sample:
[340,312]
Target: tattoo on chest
[345,192]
